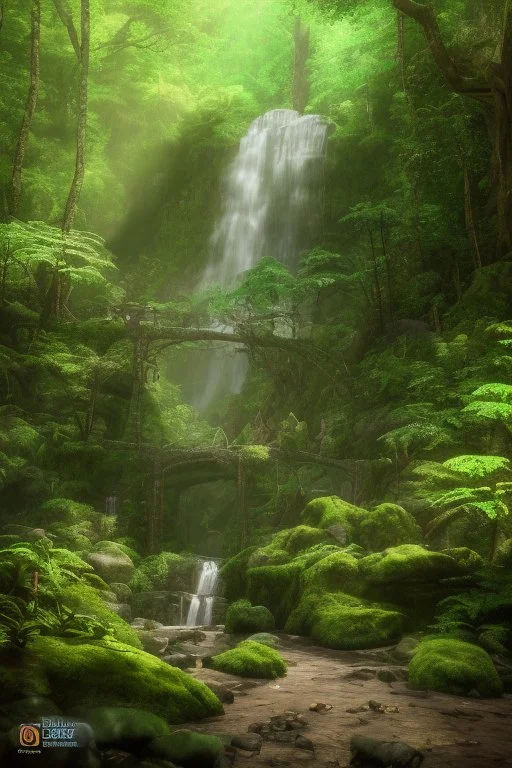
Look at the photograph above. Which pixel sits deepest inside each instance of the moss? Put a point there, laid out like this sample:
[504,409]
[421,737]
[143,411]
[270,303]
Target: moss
[337,571]
[85,599]
[254,455]
[165,571]
[468,559]
[277,587]
[122,726]
[234,575]
[304,537]
[341,621]
[267,639]
[453,666]
[81,674]
[270,555]
[188,749]
[327,511]
[244,617]
[67,511]
[408,561]
[250,659]
[311,556]
[93,580]
[114,546]
[503,554]
[387,525]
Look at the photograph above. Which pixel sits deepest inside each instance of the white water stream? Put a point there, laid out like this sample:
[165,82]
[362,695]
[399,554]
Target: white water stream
[201,606]
[271,207]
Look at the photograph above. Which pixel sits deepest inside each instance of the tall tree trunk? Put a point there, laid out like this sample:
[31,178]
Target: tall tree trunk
[494,90]
[300,71]
[30,108]
[78,178]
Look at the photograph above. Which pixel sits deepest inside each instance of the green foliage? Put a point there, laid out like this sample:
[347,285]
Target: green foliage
[277,587]
[452,666]
[188,748]
[387,525]
[250,659]
[234,575]
[336,572]
[167,570]
[407,561]
[243,617]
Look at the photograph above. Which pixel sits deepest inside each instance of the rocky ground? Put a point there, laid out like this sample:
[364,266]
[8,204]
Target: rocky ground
[450,731]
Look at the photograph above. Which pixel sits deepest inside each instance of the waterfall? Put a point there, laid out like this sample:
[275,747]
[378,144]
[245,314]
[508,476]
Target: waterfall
[201,606]
[272,207]
[110,505]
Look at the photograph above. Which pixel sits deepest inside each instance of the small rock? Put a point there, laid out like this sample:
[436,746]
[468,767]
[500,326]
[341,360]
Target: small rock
[249,742]
[180,660]
[319,706]
[302,742]
[386,676]
[375,706]
[152,644]
[405,648]
[222,692]
[397,754]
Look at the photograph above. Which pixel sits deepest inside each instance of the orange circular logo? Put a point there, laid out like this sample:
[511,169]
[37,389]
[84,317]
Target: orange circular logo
[29,736]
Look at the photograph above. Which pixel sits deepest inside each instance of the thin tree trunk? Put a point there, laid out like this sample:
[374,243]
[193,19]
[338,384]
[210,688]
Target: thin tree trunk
[242,500]
[470,220]
[378,291]
[66,17]
[30,108]
[78,178]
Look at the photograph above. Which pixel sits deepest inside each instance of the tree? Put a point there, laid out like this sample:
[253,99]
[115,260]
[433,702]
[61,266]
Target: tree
[492,88]
[30,108]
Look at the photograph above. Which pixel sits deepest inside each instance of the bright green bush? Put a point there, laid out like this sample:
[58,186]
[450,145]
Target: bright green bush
[250,659]
[453,666]
[84,599]
[244,617]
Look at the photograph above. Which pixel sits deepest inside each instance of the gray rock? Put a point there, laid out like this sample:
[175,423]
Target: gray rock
[222,692]
[122,592]
[398,754]
[180,660]
[122,609]
[405,648]
[152,644]
[249,742]
[339,533]
[108,595]
[112,566]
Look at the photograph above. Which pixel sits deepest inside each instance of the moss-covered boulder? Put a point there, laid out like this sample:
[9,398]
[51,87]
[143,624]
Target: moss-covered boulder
[249,659]
[338,571]
[503,556]
[273,641]
[122,727]
[278,587]
[244,617]
[453,666]
[468,559]
[233,575]
[86,600]
[329,511]
[270,555]
[407,562]
[79,674]
[111,563]
[387,525]
[338,620]
[166,571]
[187,749]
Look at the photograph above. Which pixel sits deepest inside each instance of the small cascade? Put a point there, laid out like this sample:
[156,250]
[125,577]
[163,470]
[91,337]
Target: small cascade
[201,606]
[111,505]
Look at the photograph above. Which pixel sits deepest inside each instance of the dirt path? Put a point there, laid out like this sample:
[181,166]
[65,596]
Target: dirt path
[452,732]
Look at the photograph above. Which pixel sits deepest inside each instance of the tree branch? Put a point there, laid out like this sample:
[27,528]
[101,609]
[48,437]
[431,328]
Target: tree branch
[67,19]
[425,16]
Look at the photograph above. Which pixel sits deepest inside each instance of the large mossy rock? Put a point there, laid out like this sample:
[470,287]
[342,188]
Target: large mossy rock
[338,571]
[187,749]
[86,600]
[330,511]
[287,544]
[111,563]
[74,673]
[166,571]
[341,621]
[278,587]
[387,525]
[233,575]
[249,659]
[408,562]
[242,617]
[122,727]
[453,666]
[503,556]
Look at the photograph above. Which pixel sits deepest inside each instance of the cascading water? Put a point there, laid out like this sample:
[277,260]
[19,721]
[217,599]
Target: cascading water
[201,606]
[272,207]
